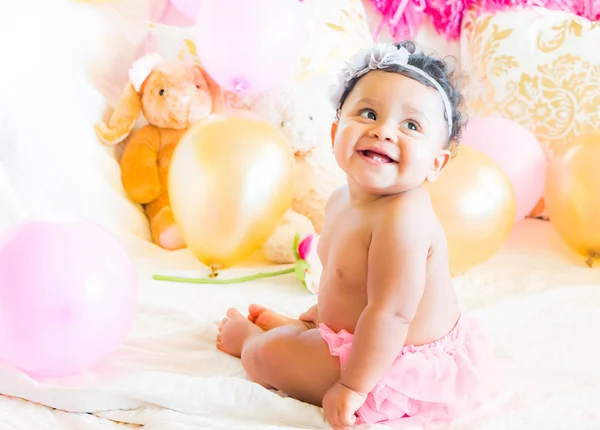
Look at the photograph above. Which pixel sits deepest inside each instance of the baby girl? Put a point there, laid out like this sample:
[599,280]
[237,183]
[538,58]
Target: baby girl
[386,341]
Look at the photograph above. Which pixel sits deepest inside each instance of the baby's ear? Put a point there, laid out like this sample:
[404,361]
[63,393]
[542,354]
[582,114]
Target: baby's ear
[208,84]
[438,164]
[123,118]
[129,108]
[334,129]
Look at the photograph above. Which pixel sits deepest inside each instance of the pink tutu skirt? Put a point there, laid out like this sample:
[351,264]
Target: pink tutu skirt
[439,381]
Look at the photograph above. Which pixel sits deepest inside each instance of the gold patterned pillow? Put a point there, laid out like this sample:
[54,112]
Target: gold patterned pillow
[537,67]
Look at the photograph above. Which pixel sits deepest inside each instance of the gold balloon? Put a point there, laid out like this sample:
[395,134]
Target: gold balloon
[572,195]
[230,183]
[476,206]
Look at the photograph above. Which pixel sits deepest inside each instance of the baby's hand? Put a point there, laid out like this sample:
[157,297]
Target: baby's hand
[339,404]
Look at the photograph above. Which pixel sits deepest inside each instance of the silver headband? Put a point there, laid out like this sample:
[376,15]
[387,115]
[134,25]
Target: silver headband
[382,56]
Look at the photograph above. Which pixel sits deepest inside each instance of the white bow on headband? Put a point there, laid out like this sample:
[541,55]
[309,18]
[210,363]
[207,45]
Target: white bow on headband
[382,56]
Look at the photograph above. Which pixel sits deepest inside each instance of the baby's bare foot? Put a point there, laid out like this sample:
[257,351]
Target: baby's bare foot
[267,319]
[234,331]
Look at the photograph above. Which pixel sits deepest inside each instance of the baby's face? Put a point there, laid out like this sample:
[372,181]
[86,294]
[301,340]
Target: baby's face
[391,133]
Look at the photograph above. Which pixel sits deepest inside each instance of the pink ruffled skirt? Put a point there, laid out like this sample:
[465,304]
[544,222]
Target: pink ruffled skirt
[439,381]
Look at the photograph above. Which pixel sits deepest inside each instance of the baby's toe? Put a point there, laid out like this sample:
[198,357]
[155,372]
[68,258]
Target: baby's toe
[234,313]
[254,312]
[255,309]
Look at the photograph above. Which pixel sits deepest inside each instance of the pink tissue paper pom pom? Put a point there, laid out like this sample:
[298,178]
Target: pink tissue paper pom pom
[404,17]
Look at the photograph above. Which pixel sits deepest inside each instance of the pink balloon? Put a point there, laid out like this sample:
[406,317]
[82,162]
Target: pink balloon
[175,18]
[518,153]
[68,295]
[189,8]
[156,9]
[249,46]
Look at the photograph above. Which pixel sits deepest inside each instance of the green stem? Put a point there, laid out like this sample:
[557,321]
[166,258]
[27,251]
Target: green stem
[223,281]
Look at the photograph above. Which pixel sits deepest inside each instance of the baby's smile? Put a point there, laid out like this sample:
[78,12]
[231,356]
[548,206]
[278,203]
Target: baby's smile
[376,156]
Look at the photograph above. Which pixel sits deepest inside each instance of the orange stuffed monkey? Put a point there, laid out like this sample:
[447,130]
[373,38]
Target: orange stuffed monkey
[172,95]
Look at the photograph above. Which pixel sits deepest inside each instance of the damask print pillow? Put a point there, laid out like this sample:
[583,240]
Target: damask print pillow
[537,67]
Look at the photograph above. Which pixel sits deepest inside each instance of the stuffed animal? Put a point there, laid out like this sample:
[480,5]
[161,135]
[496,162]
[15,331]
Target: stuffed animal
[171,95]
[304,113]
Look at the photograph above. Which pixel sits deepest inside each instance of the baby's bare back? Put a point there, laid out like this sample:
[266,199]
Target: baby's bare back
[344,252]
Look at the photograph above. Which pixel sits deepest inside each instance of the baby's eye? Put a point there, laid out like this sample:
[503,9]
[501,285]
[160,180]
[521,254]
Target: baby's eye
[411,125]
[161,92]
[369,114]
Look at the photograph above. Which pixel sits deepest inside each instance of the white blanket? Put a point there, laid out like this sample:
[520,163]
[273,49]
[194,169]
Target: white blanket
[541,308]
[540,302]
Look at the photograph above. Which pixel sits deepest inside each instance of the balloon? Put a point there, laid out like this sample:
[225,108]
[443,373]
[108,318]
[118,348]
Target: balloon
[249,46]
[518,153]
[475,204]
[230,183]
[68,296]
[572,195]
[189,8]
[173,12]
[157,9]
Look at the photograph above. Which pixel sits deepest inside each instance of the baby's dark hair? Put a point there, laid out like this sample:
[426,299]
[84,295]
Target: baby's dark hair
[439,70]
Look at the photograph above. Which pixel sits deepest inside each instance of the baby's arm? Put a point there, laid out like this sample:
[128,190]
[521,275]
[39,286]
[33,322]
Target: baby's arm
[396,278]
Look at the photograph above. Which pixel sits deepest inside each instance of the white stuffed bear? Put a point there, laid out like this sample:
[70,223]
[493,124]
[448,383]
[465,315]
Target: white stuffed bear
[303,111]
